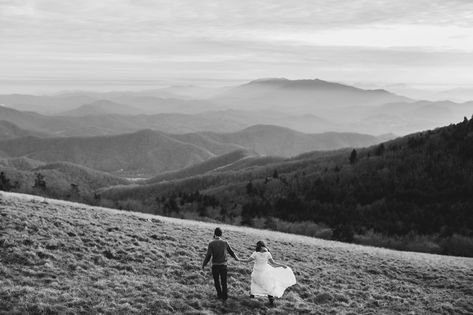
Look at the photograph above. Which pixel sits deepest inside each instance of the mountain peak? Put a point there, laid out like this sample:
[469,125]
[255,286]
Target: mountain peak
[298,84]
[269,81]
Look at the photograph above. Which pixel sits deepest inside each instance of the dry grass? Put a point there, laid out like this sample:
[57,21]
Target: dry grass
[60,257]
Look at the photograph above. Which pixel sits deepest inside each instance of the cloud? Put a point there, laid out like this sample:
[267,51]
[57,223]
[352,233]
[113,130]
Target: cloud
[237,39]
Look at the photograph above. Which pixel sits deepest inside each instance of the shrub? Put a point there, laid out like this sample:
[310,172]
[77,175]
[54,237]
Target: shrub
[457,245]
[344,233]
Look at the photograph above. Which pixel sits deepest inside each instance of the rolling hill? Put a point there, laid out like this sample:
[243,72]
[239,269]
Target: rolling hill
[148,153]
[212,164]
[279,141]
[137,154]
[46,104]
[9,130]
[62,180]
[101,107]
[67,126]
[22,163]
[84,123]
[61,257]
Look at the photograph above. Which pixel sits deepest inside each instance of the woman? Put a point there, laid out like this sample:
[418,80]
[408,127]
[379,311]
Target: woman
[268,278]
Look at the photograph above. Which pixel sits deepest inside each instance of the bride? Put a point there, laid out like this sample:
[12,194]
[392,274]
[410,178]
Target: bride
[268,278]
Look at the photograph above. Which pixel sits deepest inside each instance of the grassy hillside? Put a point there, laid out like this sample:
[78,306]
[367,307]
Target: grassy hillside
[58,257]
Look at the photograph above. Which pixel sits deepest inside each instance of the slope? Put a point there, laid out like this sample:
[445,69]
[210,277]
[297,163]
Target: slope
[213,164]
[60,257]
[62,180]
[9,130]
[279,141]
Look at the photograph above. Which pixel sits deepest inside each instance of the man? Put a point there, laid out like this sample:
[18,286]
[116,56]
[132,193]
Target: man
[217,250]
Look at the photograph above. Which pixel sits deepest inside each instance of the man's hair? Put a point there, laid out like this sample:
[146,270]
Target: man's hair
[218,232]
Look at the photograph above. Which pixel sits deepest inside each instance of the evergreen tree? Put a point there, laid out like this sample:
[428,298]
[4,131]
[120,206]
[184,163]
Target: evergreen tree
[5,184]
[39,182]
[250,189]
[353,157]
[379,149]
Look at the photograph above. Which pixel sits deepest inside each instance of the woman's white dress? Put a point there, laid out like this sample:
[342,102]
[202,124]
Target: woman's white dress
[267,280]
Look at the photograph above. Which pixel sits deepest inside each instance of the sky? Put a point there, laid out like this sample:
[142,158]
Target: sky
[416,43]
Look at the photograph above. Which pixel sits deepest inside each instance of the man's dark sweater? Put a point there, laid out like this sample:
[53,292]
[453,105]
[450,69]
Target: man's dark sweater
[218,251]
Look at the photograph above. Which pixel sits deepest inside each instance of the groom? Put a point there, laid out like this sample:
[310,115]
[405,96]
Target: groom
[218,249]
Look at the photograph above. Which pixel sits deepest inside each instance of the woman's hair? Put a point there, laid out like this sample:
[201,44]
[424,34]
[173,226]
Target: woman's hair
[260,245]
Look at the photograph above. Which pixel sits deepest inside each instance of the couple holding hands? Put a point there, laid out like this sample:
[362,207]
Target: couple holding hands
[268,278]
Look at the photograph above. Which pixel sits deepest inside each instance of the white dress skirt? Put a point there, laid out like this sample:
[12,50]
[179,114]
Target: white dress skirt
[267,280]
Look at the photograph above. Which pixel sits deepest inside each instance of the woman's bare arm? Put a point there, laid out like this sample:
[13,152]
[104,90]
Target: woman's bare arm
[250,259]
[275,264]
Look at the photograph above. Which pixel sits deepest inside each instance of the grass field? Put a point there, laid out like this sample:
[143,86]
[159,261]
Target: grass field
[60,257]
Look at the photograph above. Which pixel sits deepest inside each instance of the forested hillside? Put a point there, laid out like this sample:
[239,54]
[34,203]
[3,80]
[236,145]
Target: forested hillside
[414,192]
[60,180]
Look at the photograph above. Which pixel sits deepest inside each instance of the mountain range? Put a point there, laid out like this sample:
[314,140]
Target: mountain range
[310,106]
[147,152]
[302,96]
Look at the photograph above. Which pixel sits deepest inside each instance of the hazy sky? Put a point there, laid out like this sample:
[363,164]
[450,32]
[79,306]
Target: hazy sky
[420,42]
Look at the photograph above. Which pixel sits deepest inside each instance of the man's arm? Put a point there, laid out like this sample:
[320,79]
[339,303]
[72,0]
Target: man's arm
[207,257]
[230,251]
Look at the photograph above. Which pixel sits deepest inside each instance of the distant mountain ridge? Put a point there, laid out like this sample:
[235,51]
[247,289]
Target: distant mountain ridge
[311,84]
[303,96]
[307,105]
[280,141]
[147,152]
[101,107]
